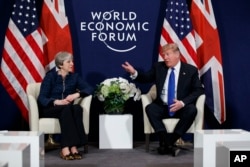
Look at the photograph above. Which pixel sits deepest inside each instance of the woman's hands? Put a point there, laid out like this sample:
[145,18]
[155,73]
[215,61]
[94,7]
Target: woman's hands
[67,100]
[72,97]
[61,102]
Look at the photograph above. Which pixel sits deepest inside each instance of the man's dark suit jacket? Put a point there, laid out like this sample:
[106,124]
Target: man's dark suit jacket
[189,86]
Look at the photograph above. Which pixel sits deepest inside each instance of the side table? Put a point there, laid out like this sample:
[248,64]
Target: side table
[33,138]
[15,154]
[115,131]
[3,164]
[205,144]
[233,154]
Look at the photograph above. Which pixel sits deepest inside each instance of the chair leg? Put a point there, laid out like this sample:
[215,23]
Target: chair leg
[147,137]
[86,147]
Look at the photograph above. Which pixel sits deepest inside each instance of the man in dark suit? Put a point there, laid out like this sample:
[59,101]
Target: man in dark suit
[187,88]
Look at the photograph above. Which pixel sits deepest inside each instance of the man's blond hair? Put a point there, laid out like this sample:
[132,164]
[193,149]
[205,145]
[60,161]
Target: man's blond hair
[169,46]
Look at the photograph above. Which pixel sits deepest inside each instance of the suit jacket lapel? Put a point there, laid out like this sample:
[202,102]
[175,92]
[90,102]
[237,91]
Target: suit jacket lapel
[181,79]
[163,77]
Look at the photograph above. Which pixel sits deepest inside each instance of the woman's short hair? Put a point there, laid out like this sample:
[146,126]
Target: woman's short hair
[61,57]
[169,46]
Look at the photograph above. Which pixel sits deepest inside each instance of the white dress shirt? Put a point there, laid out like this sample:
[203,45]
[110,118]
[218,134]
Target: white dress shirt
[164,93]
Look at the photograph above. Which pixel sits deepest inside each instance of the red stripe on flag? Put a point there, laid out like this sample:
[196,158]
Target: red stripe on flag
[166,35]
[35,74]
[36,47]
[22,53]
[222,99]
[15,71]
[56,5]
[190,50]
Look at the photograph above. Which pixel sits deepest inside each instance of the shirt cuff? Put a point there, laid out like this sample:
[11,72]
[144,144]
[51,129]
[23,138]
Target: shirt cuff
[133,76]
[183,104]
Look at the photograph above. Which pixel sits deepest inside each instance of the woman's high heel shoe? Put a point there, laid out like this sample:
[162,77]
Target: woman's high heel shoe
[67,157]
[77,156]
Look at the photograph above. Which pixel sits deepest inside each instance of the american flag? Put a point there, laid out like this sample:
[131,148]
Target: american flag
[177,28]
[209,56]
[22,58]
[56,32]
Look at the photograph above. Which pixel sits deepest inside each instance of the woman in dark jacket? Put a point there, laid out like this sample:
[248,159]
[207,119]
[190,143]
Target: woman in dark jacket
[58,91]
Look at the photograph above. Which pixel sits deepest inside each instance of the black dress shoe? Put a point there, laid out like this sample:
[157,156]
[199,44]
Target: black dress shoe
[174,150]
[162,150]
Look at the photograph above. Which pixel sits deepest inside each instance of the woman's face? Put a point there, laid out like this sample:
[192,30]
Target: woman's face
[67,65]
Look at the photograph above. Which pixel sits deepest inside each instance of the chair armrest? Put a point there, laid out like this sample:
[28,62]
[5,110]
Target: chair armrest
[85,104]
[33,113]
[199,119]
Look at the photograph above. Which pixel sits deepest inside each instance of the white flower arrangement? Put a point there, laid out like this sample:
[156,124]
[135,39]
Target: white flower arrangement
[114,92]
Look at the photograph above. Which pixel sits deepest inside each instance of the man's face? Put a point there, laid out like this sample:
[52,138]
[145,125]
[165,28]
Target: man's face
[171,58]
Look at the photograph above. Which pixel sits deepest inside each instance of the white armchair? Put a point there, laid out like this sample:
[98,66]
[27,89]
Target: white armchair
[51,125]
[170,123]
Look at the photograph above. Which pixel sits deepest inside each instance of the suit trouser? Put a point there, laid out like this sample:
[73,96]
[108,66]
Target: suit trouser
[156,113]
[70,119]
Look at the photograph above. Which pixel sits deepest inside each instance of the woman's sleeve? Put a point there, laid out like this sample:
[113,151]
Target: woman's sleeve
[85,89]
[44,98]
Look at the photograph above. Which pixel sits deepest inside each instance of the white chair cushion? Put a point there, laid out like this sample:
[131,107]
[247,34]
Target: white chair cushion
[49,125]
[170,124]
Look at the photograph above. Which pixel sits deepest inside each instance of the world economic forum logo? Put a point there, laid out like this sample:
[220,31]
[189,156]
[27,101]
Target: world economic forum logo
[117,30]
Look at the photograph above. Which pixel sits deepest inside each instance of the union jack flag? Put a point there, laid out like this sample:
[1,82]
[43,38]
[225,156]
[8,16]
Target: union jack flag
[56,32]
[209,56]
